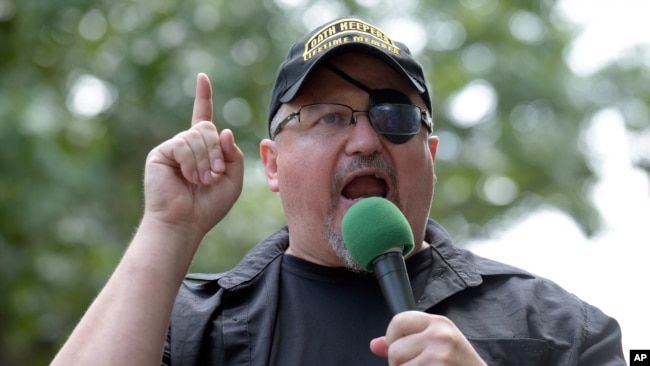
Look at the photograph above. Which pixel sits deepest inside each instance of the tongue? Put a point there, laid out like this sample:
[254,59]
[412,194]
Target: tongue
[365,186]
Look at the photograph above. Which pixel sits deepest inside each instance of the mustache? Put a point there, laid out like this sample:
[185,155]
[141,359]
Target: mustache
[335,238]
[374,161]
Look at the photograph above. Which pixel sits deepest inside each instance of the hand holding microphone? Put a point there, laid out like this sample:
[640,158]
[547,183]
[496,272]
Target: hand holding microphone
[378,236]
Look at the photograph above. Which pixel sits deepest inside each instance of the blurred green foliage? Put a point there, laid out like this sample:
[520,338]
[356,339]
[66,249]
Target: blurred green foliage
[87,88]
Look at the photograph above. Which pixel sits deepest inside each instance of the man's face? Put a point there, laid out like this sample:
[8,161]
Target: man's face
[320,177]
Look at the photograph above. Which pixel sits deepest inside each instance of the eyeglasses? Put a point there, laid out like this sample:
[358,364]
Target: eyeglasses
[397,122]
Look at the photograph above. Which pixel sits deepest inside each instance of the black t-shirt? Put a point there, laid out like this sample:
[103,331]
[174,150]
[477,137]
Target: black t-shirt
[327,316]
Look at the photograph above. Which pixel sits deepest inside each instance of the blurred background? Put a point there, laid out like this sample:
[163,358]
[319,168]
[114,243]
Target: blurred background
[544,158]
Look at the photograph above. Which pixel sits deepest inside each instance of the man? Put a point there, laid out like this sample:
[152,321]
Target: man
[349,119]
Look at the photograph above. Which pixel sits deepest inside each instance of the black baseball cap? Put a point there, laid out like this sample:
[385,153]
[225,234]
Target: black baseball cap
[342,35]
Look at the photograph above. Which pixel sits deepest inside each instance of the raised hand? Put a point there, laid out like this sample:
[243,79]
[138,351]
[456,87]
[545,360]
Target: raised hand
[191,182]
[193,179]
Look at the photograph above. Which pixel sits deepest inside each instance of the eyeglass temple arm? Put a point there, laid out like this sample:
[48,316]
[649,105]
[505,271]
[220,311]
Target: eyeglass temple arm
[428,121]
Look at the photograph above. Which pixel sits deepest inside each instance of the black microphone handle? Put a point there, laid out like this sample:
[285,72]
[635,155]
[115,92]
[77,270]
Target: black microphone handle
[390,271]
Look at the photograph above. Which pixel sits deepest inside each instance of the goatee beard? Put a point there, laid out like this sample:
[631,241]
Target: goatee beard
[334,237]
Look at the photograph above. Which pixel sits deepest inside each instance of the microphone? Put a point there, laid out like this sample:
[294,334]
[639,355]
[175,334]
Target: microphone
[378,236]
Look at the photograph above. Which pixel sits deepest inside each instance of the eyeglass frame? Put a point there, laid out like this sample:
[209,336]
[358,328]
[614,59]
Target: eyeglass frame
[426,119]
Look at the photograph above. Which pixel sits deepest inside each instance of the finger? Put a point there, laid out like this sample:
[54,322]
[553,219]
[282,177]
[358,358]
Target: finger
[379,347]
[214,160]
[202,100]
[406,323]
[203,140]
[177,153]
[406,348]
[233,158]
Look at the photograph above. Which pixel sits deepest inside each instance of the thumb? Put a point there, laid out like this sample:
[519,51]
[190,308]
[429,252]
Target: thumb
[232,155]
[379,347]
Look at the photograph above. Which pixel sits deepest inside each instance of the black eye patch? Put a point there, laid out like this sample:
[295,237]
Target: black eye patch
[391,118]
[390,96]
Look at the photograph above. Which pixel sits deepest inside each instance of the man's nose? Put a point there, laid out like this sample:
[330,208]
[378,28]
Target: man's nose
[363,139]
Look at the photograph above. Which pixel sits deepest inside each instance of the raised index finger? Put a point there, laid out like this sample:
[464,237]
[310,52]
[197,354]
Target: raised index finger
[202,100]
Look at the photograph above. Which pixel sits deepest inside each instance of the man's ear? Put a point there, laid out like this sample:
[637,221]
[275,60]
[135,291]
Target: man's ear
[433,146]
[269,155]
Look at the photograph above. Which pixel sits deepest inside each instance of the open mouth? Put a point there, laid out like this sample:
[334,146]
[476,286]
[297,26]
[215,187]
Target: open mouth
[363,186]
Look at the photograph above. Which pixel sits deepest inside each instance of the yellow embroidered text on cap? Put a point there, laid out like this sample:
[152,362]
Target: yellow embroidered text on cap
[344,31]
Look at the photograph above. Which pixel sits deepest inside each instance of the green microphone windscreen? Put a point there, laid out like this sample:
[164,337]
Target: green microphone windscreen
[373,226]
